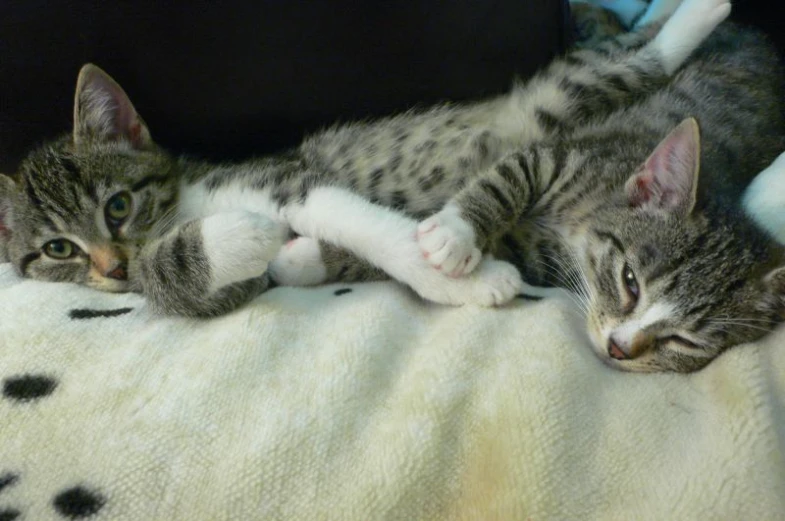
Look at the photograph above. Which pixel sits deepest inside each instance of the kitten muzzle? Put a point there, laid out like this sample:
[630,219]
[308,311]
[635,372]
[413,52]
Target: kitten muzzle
[109,262]
[619,349]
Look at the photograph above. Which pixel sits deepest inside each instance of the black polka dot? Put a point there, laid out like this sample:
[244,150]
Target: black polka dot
[342,291]
[78,502]
[81,314]
[28,387]
[528,297]
[9,514]
[8,479]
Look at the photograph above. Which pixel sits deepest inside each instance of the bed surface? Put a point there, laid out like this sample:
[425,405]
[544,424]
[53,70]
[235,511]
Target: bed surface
[362,402]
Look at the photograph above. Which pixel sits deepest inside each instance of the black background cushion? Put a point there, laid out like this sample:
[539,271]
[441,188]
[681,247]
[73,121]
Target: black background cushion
[232,79]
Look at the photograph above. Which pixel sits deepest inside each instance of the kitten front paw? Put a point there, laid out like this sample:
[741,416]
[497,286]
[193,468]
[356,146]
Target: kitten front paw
[499,282]
[703,15]
[239,245]
[448,244]
[299,263]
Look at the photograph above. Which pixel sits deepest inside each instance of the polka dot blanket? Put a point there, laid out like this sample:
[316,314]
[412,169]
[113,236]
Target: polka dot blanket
[361,402]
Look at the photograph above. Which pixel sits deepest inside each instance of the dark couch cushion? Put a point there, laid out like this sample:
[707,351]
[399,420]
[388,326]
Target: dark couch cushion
[241,78]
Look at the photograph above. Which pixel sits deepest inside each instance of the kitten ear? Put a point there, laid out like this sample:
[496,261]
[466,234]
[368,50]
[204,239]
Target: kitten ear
[668,179]
[103,111]
[7,190]
[775,283]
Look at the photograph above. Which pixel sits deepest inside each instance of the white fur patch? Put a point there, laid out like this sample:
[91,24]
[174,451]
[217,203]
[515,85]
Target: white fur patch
[299,263]
[239,245]
[388,240]
[764,199]
[196,201]
[626,331]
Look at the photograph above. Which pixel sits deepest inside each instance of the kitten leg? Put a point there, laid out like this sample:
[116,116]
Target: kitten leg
[592,83]
[238,246]
[689,26]
[208,267]
[496,200]
[387,239]
[307,262]
[343,265]
[764,199]
[488,206]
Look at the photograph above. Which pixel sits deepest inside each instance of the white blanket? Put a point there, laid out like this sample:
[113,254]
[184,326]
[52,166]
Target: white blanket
[367,404]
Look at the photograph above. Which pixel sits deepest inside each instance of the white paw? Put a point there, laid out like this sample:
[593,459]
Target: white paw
[239,245]
[689,26]
[299,263]
[493,283]
[498,282]
[447,243]
[764,199]
[702,14]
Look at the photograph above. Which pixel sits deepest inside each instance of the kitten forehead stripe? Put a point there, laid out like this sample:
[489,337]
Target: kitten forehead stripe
[146,181]
[610,237]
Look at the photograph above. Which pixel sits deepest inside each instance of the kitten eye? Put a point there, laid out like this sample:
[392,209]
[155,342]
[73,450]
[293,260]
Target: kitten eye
[630,283]
[118,208]
[60,249]
[682,342]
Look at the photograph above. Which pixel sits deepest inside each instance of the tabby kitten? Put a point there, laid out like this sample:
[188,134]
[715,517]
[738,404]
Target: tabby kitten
[558,178]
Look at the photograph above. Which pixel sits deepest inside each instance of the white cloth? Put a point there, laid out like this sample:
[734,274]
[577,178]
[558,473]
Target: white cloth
[369,405]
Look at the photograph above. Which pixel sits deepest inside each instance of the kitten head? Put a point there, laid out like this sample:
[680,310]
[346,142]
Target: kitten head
[672,286]
[83,206]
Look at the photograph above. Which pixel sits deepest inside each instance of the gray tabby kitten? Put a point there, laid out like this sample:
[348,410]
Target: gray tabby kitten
[584,177]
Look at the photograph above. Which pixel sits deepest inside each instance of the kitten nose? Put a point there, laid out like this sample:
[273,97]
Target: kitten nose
[109,262]
[117,272]
[616,352]
[622,349]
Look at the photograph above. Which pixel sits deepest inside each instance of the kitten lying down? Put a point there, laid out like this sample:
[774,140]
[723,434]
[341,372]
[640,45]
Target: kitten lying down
[586,177]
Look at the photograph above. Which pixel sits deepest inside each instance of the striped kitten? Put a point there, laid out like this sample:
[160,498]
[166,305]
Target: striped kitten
[584,177]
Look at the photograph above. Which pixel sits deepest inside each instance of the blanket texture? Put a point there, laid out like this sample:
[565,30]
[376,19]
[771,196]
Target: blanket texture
[361,402]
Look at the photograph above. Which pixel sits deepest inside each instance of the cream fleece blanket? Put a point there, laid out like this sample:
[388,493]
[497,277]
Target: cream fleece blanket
[360,402]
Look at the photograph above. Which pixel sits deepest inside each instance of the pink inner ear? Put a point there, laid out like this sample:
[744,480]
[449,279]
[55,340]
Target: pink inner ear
[105,106]
[121,113]
[641,192]
[666,181]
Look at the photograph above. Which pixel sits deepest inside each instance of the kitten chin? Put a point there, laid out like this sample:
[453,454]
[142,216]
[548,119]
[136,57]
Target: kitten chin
[107,284]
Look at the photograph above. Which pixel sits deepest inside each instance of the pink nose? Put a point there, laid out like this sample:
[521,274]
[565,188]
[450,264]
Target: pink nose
[614,351]
[117,272]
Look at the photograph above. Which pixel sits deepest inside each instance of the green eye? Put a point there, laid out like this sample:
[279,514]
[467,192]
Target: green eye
[630,283]
[118,208]
[60,249]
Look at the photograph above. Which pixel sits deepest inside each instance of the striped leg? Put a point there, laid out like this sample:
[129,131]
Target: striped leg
[207,267]
[453,239]
[592,83]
